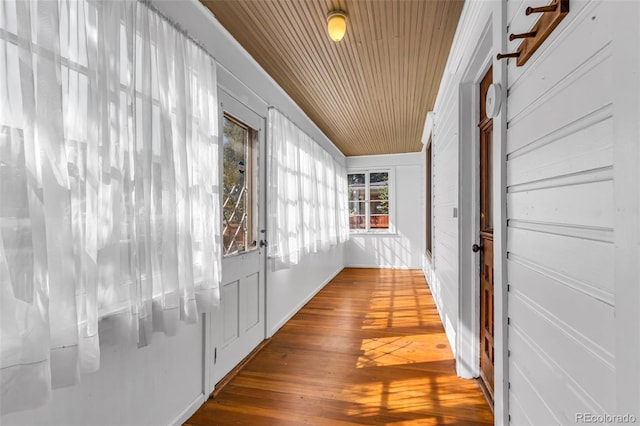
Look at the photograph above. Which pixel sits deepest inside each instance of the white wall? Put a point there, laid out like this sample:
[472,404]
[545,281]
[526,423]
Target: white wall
[164,382]
[404,247]
[147,386]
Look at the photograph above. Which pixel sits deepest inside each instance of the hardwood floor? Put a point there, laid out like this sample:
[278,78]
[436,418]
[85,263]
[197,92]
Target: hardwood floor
[368,349]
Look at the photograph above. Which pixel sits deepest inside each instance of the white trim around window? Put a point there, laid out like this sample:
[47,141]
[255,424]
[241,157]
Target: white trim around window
[364,198]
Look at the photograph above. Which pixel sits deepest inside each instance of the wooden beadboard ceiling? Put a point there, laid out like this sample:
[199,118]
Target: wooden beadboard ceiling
[370,92]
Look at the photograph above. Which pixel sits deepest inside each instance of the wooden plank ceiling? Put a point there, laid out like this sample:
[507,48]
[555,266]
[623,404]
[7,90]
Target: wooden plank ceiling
[369,93]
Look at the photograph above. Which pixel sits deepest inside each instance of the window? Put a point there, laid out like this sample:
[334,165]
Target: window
[238,208]
[369,201]
[429,210]
[306,196]
[111,155]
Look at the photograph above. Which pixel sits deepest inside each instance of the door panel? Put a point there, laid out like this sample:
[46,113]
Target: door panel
[486,242]
[230,308]
[486,312]
[252,297]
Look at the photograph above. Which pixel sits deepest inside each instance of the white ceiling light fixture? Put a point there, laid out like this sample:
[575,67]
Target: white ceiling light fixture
[336,25]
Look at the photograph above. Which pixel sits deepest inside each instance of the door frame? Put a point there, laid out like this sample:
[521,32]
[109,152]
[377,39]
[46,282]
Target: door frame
[484,238]
[493,40]
[468,333]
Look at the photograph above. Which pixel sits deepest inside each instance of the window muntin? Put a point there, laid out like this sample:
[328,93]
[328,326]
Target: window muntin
[369,201]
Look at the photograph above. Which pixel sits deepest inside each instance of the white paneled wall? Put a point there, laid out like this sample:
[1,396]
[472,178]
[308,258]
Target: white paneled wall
[442,270]
[569,190]
[445,223]
[560,207]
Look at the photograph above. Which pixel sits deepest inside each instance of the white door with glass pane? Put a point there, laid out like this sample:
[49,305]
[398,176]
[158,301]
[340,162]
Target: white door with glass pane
[239,325]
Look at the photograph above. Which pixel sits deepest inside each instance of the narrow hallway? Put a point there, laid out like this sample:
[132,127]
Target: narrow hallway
[367,349]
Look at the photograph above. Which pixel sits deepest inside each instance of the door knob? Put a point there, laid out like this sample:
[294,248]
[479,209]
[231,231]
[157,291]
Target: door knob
[476,248]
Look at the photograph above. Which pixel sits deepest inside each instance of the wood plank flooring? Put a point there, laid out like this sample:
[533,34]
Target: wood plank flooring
[368,349]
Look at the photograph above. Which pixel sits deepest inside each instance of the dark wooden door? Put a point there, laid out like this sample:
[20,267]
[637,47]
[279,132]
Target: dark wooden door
[486,242]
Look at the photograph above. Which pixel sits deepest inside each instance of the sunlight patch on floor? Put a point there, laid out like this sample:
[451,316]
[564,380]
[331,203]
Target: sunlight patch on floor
[415,395]
[401,350]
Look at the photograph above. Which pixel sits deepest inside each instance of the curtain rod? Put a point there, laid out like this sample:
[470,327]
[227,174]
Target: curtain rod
[179,28]
[176,26]
[199,44]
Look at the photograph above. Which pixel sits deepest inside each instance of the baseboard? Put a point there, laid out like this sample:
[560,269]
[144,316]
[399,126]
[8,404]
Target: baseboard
[295,310]
[189,411]
[382,266]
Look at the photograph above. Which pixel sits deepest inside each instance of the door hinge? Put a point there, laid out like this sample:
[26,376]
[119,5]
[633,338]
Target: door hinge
[215,355]
[508,288]
[508,320]
[508,353]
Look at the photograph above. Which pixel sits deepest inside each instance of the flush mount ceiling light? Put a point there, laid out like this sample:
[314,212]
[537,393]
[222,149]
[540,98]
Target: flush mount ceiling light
[336,25]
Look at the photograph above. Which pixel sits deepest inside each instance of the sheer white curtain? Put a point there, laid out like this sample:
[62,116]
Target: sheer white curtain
[307,193]
[108,185]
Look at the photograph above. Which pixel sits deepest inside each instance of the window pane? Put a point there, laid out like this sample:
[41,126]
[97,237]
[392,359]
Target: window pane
[237,188]
[429,209]
[379,215]
[357,194]
[357,222]
[356,179]
[379,207]
[379,186]
[379,193]
[357,215]
[379,222]
[490,179]
[357,188]
[379,204]
[378,178]
[357,208]
[357,201]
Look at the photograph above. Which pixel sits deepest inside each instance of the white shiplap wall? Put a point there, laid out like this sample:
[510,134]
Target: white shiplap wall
[569,187]
[442,270]
[561,215]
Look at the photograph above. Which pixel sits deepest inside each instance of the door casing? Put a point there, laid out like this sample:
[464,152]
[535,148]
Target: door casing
[493,38]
